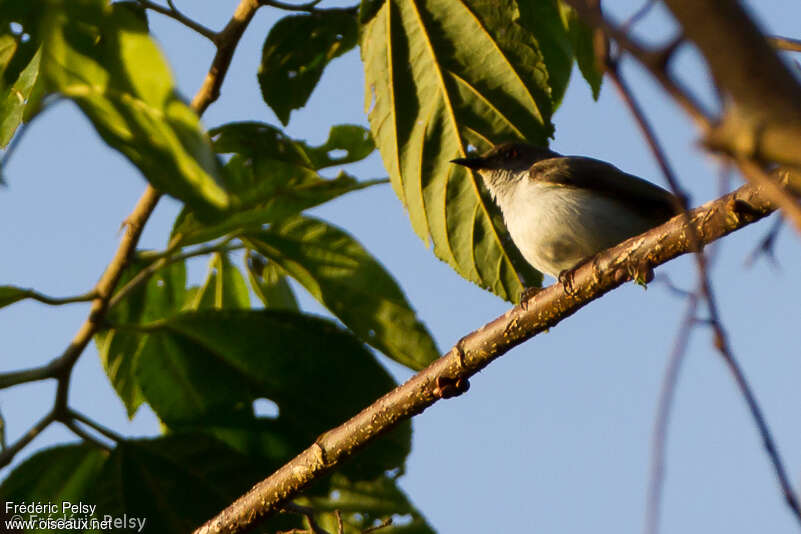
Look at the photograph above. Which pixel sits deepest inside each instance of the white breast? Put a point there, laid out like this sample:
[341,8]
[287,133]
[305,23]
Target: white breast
[555,227]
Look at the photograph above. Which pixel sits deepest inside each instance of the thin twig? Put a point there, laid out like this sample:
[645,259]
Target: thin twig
[57,301]
[638,15]
[163,261]
[785,43]
[787,202]
[308,6]
[307,513]
[81,433]
[766,245]
[110,434]
[173,13]
[9,452]
[659,436]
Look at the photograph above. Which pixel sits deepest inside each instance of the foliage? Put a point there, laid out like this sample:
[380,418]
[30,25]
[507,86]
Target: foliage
[443,77]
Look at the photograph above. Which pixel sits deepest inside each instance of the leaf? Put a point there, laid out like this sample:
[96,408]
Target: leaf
[364,504]
[269,283]
[175,483]
[343,276]
[12,294]
[102,58]
[582,38]
[442,76]
[224,287]
[206,368]
[273,177]
[63,473]
[119,351]
[295,53]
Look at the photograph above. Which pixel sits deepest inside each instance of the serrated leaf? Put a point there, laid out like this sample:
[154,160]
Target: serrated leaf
[352,284]
[11,294]
[63,473]
[295,53]
[224,287]
[120,350]
[102,58]
[270,284]
[273,177]
[441,76]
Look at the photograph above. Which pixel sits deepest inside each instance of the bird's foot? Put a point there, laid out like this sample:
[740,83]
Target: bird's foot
[566,279]
[526,295]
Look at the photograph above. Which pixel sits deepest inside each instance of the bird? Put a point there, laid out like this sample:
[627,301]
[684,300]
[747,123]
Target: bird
[562,210]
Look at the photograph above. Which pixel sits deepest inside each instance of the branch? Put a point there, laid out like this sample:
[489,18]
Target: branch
[175,14]
[61,367]
[785,43]
[754,125]
[8,453]
[308,6]
[475,351]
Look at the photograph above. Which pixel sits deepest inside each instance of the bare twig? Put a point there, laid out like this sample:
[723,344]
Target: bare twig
[308,6]
[790,206]
[81,433]
[766,245]
[308,514]
[173,12]
[544,310]
[61,367]
[57,301]
[9,452]
[638,15]
[785,43]
[110,434]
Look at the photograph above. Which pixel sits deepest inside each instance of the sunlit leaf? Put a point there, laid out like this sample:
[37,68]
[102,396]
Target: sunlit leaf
[273,177]
[270,284]
[582,38]
[442,76]
[343,276]
[108,65]
[224,286]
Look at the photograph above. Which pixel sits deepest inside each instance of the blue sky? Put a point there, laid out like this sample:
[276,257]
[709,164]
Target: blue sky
[556,435]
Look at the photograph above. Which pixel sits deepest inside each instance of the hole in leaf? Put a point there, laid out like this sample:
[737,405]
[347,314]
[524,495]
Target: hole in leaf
[337,153]
[265,408]
[16,28]
[335,495]
[338,37]
[25,37]
[160,283]
[399,520]
[471,148]
[292,74]
[371,333]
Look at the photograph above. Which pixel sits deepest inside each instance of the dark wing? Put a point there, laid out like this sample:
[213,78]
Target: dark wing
[644,197]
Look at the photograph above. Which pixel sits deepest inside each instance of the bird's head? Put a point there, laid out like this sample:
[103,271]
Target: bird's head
[506,163]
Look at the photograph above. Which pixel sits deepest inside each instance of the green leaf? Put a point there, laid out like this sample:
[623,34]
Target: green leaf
[296,52]
[224,288]
[206,368]
[102,58]
[175,483]
[64,473]
[273,177]
[120,350]
[441,76]
[582,39]
[269,283]
[12,294]
[364,504]
[14,100]
[343,276]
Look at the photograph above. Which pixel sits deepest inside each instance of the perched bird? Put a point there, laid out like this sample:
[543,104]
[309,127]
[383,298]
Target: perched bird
[561,210]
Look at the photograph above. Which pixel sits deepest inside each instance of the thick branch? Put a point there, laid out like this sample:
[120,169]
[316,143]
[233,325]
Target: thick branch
[764,120]
[605,272]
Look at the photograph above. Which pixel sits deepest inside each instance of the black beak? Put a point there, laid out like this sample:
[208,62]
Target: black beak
[470,163]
